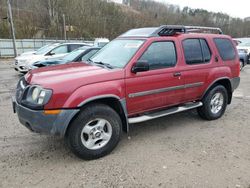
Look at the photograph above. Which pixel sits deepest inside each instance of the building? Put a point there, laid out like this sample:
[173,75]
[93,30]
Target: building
[247,19]
[115,1]
[125,2]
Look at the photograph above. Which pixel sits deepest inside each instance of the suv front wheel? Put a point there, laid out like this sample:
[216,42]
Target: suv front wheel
[214,103]
[95,132]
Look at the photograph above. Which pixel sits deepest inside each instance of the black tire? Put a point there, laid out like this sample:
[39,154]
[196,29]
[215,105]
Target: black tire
[205,111]
[89,113]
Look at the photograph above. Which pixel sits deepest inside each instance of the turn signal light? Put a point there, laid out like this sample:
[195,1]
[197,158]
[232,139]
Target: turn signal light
[52,112]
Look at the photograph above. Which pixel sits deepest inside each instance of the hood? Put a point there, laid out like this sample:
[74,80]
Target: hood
[71,76]
[244,48]
[27,53]
[50,62]
[29,58]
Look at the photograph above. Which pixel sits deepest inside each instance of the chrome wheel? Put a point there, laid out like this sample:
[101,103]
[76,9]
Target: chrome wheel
[216,103]
[96,134]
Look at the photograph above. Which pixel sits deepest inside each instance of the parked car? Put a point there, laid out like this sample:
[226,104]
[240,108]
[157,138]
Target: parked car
[56,50]
[243,55]
[34,51]
[100,42]
[244,45]
[80,54]
[144,74]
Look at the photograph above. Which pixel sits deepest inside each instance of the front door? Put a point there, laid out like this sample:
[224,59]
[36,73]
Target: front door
[159,87]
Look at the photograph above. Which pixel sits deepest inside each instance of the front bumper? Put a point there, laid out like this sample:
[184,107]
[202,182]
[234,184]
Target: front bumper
[235,82]
[37,121]
[20,67]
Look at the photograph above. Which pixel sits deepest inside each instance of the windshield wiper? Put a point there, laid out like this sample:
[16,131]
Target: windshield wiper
[104,64]
[89,60]
[100,63]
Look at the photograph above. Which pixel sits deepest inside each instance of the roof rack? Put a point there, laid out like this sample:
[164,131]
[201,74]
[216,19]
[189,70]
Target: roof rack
[169,30]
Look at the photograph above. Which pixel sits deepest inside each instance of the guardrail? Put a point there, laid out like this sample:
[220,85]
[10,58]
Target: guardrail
[24,45]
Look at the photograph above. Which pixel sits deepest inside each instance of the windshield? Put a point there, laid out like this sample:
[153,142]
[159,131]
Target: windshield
[244,44]
[74,54]
[118,52]
[45,49]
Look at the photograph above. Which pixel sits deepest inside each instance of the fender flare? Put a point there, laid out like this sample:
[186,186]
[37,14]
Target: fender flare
[122,103]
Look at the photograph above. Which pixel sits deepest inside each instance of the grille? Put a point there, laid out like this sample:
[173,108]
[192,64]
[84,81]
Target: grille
[21,86]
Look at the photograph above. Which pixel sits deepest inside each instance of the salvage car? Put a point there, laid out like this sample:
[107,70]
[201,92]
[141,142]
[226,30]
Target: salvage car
[243,55]
[143,74]
[33,52]
[56,50]
[244,45]
[80,54]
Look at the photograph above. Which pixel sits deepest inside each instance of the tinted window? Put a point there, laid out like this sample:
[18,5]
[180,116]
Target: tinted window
[60,50]
[160,55]
[74,46]
[205,51]
[225,48]
[196,51]
[192,51]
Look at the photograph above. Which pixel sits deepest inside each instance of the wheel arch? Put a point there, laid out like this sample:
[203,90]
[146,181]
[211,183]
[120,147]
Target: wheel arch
[224,82]
[119,105]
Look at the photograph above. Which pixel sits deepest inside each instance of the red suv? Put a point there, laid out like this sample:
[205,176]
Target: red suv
[143,74]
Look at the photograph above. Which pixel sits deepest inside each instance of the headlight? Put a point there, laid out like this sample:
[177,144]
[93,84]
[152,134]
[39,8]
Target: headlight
[37,97]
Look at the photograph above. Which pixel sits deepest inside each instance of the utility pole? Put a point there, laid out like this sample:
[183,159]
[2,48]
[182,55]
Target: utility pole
[12,27]
[64,28]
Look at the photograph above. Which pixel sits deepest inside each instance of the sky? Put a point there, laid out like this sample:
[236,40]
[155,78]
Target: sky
[239,8]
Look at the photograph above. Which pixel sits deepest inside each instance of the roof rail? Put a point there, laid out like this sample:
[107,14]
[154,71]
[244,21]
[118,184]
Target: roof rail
[169,30]
[203,29]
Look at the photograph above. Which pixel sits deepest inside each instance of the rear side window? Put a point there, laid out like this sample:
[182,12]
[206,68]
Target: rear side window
[160,55]
[74,46]
[196,51]
[60,50]
[225,48]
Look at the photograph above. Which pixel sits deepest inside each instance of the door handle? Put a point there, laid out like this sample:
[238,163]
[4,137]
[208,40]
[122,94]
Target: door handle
[177,74]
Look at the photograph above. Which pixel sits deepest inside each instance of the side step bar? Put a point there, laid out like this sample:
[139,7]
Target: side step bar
[162,113]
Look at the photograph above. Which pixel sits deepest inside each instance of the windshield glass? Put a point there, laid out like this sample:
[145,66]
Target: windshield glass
[245,44]
[45,49]
[118,52]
[74,54]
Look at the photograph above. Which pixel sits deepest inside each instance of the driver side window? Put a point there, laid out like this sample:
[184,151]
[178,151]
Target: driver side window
[160,55]
[60,50]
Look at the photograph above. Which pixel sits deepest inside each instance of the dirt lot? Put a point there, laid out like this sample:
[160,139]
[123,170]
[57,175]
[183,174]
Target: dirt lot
[180,150]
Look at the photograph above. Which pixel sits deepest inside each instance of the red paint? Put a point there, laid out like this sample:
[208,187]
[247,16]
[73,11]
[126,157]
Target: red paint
[74,83]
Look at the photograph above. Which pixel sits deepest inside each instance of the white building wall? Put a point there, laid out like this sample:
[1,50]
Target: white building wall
[116,1]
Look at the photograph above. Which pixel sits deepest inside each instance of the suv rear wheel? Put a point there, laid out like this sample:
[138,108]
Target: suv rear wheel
[214,103]
[95,132]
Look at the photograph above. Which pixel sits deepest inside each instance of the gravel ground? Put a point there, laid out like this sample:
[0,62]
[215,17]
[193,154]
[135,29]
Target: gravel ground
[180,150]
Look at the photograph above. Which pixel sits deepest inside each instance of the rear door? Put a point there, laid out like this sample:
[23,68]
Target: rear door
[198,58]
[159,87]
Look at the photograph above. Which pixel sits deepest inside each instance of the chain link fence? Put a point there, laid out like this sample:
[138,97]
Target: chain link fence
[24,45]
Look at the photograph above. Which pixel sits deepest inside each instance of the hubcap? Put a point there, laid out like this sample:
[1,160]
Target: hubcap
[96,133]
[216,103]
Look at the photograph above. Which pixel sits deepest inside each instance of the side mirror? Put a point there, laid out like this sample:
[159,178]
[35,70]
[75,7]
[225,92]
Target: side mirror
[140,66]
[50,53]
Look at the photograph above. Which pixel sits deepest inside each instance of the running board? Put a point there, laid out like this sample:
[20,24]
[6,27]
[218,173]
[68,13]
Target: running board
[162,113]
